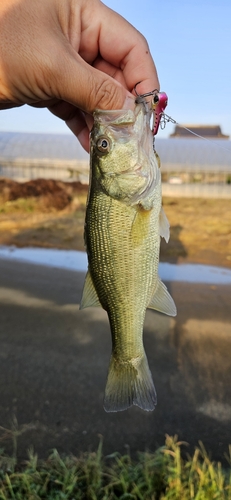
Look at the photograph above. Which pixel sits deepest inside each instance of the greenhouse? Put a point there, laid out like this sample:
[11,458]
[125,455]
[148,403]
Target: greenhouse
[183,160]
[26,156]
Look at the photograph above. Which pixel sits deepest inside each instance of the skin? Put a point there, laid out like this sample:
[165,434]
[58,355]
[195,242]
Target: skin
[71,56]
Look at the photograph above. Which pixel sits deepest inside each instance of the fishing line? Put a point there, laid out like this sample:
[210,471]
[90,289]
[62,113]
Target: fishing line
[164,119]
[158,105]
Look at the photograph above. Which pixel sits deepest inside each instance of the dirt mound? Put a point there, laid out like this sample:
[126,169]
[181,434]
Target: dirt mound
[6,185]
[52,194]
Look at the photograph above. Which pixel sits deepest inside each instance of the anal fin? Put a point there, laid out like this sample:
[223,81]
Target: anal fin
[89,296]
[162,300]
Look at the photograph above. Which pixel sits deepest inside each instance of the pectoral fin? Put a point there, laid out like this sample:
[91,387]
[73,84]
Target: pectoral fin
[162,300]
[89,297]
[164,226]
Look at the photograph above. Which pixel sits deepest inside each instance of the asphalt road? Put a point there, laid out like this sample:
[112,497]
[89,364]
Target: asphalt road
[54,360]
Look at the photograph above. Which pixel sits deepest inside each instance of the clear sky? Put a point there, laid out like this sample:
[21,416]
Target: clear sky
[190,41]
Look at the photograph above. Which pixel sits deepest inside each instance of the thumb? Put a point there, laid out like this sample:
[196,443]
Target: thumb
[88,88]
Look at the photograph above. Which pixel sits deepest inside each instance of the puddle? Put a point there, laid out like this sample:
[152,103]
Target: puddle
[77,261]
[65,259]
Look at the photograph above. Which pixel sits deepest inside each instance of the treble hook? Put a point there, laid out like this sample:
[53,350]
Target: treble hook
[159,103]
[155,91]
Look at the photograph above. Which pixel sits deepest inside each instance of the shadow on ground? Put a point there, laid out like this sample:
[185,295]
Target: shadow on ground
[174,249]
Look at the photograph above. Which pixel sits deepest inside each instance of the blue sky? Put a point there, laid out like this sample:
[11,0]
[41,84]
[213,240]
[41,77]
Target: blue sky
[191,44]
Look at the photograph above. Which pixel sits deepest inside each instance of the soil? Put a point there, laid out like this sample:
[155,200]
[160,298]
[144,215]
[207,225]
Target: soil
[49,213]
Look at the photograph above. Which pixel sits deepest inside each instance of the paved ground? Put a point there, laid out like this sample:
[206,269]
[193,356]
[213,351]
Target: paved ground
[54,360]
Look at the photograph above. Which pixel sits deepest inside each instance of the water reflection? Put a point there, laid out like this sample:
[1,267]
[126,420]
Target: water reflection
[77,261]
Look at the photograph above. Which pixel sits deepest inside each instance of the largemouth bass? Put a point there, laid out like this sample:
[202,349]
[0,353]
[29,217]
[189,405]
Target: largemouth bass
[124,222]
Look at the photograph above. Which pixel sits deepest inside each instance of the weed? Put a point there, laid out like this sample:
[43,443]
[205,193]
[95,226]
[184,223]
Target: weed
[162,475]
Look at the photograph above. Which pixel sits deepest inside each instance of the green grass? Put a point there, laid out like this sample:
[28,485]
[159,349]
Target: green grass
[24,205]
[162,475]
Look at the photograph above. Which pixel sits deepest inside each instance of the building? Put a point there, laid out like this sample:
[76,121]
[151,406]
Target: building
[207,131]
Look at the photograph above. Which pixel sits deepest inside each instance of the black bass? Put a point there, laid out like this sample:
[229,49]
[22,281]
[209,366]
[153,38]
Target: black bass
[124,222]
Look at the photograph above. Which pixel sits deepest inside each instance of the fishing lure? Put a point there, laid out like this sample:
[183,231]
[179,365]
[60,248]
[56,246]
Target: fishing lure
[158,105]
[160,118]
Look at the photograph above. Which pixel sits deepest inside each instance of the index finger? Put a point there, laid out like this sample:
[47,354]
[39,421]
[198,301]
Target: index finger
[125,47]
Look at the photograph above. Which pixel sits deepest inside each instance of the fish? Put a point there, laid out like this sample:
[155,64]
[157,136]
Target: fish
[123,225]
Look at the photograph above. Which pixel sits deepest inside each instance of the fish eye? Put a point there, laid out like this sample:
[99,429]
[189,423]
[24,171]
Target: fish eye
[103,144]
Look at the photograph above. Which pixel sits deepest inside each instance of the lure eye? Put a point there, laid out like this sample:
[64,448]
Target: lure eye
[103,145]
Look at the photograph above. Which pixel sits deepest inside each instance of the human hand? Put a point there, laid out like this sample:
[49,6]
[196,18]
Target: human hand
[71,56]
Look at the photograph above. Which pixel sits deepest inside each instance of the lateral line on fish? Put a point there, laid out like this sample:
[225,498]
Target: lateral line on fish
[166,118]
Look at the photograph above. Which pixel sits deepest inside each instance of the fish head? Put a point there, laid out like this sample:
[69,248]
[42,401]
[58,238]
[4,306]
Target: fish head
[123,162]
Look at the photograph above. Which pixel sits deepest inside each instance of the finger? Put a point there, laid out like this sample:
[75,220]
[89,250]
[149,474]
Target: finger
[132,53]
[84,86]
[127,51]
[83,137]
[81,125]
[44,104]
[4,106]
[111,70]
[78,122]
[137,66]
[75,119]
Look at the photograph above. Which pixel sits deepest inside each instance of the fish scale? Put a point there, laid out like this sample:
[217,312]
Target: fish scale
[122,236]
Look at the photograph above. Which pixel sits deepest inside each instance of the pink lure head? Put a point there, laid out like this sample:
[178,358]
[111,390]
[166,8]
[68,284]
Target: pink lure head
[159,103]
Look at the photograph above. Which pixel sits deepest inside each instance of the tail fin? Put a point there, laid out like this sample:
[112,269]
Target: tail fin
[129,383]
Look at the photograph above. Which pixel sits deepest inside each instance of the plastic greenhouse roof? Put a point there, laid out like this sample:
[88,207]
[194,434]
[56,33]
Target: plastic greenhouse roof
[179,152]
[211,154]
[32,146]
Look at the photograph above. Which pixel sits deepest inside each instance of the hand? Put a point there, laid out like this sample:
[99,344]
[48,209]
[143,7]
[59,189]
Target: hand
[71,56]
